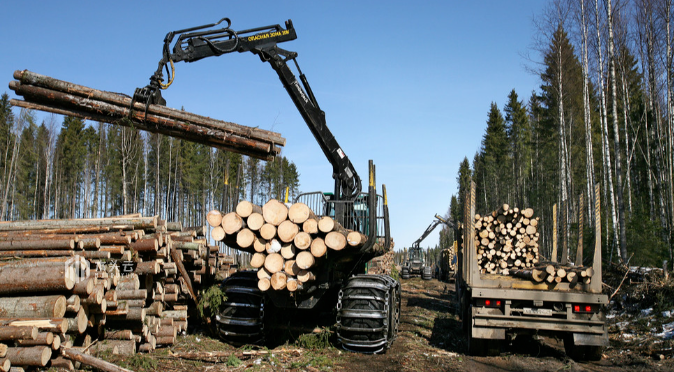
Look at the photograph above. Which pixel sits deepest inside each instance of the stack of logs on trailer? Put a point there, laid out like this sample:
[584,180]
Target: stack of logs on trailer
[126,281]
[507,244]
[285,243]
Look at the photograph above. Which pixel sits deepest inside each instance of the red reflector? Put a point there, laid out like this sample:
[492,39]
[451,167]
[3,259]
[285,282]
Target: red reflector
[487,302]
[588,308]
[498,303]
[576,308]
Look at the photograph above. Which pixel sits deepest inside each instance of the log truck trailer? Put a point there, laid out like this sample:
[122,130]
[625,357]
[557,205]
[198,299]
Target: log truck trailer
[367,307]
[495,308]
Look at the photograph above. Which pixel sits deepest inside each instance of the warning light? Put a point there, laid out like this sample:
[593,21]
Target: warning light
[576,308]
[498,302]
[588,308]
[487,302]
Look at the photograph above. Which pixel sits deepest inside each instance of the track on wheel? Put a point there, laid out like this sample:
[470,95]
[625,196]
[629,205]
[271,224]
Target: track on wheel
[242,319]
[368,313]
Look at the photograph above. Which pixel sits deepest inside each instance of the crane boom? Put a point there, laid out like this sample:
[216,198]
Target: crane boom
[196,43]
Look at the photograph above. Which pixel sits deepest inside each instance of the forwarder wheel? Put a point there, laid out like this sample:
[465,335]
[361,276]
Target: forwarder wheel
[426,273]
[405,273]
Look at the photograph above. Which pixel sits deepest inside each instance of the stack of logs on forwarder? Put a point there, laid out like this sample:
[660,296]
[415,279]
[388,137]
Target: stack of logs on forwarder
[507,244]
[142,274]
[286,243]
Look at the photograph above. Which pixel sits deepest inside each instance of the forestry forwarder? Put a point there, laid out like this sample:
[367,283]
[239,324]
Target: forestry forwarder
[367,306]
[415,263]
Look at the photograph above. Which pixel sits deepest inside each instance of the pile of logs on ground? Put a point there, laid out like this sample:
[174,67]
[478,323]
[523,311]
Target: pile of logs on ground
[506,240]
[60,97]
[123,281]
[448,261]
[382,264]
[286,243]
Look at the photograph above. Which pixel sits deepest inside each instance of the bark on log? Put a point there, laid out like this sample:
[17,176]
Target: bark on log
[36,279]
[42,338]
[33,307]
[10,333]
[50,244]
[36,356]
[89,360]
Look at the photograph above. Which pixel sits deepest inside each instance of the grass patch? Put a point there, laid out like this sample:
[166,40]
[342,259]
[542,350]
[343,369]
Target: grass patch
[139,361]
[320,340]
[320,361]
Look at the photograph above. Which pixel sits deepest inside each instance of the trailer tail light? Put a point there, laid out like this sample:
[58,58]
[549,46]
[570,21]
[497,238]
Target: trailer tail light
[585,309]
[489,303]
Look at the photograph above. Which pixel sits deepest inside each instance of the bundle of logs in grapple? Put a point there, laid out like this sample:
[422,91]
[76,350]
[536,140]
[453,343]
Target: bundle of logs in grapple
[60,97]
[507,244]
[124,281]
[286,243]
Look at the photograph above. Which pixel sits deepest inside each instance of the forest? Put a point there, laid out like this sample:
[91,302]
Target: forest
[602,115]
[78,169]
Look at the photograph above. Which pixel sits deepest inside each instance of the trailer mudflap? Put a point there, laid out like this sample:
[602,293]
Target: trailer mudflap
[584,339]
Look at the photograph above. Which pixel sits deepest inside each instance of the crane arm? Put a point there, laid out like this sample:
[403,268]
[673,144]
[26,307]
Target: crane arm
[200,42]
[438,220]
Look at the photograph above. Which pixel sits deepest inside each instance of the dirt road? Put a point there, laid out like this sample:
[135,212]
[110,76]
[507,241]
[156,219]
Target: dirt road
[430,339]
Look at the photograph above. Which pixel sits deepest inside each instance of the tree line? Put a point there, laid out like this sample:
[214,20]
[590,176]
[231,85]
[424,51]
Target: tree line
[74,169]
[603,114]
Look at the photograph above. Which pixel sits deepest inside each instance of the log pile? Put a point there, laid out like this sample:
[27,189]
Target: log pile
[507,244]
[286,243]
[506,240]
[382,265]
[60,97]
[126,281]
[448,260]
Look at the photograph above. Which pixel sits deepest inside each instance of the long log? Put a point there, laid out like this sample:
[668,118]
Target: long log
[36,279]
[37,244]
[116,113]
[10,333]
[28,77]
[138,223]
[188,133]
[89,360]
[36,356]
[53,306]
[56,325]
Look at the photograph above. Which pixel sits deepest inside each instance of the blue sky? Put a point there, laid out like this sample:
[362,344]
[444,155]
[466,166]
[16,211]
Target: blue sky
[407,84]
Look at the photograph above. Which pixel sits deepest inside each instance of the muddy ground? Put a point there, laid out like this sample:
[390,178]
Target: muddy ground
[430,339]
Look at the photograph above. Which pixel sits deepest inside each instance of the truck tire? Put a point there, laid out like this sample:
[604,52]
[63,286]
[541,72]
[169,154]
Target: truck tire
[242,319]
[368,313]
[426,273]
